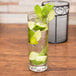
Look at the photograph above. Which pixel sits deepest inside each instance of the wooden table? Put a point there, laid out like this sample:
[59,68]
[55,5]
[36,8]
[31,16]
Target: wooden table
[14,53]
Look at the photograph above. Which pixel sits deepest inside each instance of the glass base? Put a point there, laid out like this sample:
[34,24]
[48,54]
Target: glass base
[40,68]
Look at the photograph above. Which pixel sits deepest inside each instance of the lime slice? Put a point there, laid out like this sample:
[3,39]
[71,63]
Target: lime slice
[35,59]
[33,55]
[51,15]
[33,41]
[34,62]
[31,38]
[31,24]
[34,37]
[37,35]
[41,58]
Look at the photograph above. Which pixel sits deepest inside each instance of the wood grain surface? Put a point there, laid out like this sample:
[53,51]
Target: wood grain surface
[14,53]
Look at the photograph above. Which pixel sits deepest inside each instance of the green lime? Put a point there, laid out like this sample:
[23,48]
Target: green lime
[33,55]
[51,15]
[41,58]
[30,34]
[34,62]
[33,41]
[35,59]
[37,35]
[31,24]
[34,37]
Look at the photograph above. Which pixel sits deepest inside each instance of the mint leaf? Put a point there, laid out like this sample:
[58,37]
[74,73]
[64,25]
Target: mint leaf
[37,27]
[44,19]
[42,13]
[46,9]
[38,10]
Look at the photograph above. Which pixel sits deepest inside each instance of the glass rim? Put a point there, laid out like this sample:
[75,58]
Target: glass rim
[67,3]
[31,13]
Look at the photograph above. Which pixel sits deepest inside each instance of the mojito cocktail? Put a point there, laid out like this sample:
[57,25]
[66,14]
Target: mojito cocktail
[38,38]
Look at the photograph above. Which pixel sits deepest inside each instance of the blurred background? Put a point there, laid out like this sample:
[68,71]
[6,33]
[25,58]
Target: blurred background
[15,11]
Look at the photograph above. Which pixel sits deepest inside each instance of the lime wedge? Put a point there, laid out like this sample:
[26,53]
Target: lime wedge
[31,38]
[37,35]
[51,15]
[30,34]
[35,59]
[33,41]
[38,60]
[33,55]
[31,25]
[34,62]
[41,58]
[34,37]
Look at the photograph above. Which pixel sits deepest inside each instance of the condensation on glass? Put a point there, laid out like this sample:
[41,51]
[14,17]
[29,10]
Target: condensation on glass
[58,27]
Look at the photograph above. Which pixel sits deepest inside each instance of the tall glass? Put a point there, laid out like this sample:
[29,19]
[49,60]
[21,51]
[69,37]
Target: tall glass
[37,44]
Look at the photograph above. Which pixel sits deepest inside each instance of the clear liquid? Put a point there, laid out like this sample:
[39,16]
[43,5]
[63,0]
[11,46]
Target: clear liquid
[41,49]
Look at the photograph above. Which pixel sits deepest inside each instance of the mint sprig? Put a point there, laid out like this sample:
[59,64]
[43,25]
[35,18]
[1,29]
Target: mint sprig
[38,11]
[42,12]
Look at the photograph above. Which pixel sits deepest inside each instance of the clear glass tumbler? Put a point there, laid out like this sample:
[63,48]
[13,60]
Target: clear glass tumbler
[37,44]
